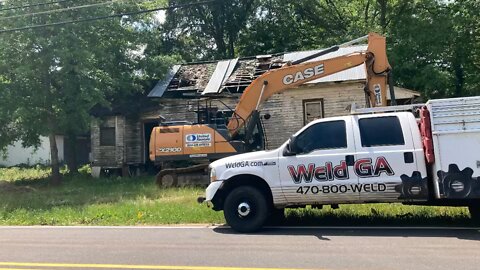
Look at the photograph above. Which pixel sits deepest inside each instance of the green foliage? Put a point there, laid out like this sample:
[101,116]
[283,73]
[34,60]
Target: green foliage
[85,170]
[282,25]
[205,31]
[55,74]
[52,77]
[21,174]
[434,48]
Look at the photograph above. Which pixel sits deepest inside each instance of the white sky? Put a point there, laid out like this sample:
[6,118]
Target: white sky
[159,16]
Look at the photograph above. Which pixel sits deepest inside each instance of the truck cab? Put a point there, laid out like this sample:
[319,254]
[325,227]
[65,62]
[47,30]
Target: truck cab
[352,159]
[359,158]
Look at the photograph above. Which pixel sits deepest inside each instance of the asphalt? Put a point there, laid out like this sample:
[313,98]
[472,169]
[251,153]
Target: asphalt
[202,248]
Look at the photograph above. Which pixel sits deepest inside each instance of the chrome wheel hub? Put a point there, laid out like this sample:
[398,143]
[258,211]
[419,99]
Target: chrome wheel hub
[243,209]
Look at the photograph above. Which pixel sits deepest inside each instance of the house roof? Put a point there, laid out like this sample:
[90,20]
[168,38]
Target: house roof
[403,93]
[234,75]
[352,74]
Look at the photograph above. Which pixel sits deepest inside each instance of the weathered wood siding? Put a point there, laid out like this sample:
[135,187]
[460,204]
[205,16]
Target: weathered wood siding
[107,156]
[128,142]
[133,141]
[184,109]
[172,110]
[286,109]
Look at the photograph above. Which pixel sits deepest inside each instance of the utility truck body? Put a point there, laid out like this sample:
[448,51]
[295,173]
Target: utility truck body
[382,154]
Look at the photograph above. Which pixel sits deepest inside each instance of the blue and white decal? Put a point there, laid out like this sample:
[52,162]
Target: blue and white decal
[198,140]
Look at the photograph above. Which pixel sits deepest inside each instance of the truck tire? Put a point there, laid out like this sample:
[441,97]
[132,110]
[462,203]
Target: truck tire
[475,213]
[276,217]
[245,209]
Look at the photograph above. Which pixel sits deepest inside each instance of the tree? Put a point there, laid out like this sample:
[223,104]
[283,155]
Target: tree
[206,31]
[51,77]
[282,25]
[435,46]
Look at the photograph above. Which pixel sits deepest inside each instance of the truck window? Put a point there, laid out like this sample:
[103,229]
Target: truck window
[325,135]
[380,131]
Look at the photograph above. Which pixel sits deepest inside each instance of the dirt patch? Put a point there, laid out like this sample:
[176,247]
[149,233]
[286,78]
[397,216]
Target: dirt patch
[9,187]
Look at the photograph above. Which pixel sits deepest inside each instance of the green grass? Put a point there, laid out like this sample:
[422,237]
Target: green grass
[82,200]
[26,198]
[381,215]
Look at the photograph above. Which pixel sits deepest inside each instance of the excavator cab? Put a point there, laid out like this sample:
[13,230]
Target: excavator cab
[206,139]
[251,137]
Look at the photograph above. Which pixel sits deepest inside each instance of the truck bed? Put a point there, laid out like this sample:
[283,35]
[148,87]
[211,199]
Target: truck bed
[455,125]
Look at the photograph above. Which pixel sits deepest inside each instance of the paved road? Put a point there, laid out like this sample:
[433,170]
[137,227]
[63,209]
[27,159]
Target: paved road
[202,248]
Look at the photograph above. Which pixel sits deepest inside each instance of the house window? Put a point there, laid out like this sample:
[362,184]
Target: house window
[107,136]
[312,109]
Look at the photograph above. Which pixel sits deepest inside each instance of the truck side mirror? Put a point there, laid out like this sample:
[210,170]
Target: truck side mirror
[290,149]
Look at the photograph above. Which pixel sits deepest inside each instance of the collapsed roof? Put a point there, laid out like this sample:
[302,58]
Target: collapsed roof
[234,75]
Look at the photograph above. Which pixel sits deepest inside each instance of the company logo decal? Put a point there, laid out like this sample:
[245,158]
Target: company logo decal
[243,164]
[363,168]
[198,140]
[302,75]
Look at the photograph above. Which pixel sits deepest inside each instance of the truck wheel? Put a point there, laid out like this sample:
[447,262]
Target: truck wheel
[475,213]
[245,209]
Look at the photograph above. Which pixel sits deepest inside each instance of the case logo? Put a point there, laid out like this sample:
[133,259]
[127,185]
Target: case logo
[302,75]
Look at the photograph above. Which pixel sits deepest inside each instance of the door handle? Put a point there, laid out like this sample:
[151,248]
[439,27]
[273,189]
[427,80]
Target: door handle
[408,157]
[350,160]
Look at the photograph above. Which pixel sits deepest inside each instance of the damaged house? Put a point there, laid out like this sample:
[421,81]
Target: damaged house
[121,141]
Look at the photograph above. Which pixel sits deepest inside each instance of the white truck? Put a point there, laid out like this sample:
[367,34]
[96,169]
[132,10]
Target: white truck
[377,155]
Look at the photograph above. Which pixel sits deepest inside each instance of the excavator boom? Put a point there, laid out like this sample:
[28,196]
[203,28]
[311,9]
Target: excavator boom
[290,76]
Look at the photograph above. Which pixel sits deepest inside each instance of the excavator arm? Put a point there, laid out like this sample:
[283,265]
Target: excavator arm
[292,75]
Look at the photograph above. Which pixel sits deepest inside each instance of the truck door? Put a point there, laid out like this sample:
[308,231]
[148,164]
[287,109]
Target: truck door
[320,171]
[386,161]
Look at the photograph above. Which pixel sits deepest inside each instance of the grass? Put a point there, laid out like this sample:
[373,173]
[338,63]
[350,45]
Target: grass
[82,200]
[26,198]
[381,215]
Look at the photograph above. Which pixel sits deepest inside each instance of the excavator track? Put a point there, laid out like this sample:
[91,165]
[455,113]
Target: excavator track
[195,175]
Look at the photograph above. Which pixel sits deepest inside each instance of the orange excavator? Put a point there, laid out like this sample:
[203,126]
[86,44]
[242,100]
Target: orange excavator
[212,138]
